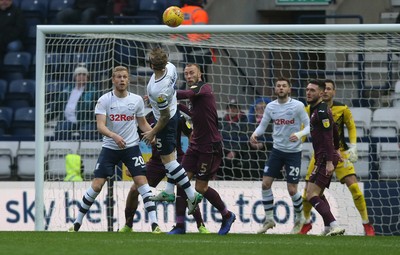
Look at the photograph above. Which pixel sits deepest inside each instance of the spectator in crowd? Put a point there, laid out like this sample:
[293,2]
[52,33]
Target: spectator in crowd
[234,133]
[256,111]
[12,27]
[74,168]
[82,12]
[74,107]
[194,14]
[259,151]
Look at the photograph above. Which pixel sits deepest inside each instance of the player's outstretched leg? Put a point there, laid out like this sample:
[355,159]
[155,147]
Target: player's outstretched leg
[268,203]
[180,211]
[130,209]
[228,217]
[322,206]
[298,213]
[87,201]
[180,227]
[177,173]
[227,223]
[359,202]
[150,207]
[307,226]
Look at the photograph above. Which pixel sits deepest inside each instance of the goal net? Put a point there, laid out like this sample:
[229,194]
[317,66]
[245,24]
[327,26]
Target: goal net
[242,63]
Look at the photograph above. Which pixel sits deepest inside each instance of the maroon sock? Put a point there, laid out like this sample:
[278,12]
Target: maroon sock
[180,206]
[324,198]
[197,216]
[214,198]
[129,214]
[323,209]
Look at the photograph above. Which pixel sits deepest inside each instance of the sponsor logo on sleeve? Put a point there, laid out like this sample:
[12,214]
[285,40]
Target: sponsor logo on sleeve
[326,123]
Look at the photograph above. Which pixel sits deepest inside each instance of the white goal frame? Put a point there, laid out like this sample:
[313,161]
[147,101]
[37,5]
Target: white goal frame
[129,29]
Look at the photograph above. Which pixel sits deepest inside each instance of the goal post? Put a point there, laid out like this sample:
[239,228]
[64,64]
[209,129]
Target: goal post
[363,60]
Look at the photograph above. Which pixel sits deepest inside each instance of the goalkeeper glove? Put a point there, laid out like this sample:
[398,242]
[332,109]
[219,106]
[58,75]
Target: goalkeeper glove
[352,151]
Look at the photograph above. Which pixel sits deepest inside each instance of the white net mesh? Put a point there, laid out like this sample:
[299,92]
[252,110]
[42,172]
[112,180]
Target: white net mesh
[243,67]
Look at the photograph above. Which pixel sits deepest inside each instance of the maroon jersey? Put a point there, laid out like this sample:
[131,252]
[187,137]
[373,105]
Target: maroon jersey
[203,110]
[324,133]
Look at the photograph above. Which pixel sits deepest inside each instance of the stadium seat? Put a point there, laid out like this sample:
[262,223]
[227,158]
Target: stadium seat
[396,95]
[53,88]
[396,102]
[385,122]
[129,20]
[7,154]
[3,90]
[55,6]
[362,164]
[17,3]
[54,62]
[152,9]
[77,58]
[173,3]
[57,150]
[6,115]
[10,76]
[389,160]
[25,160]
[15,45]
[34,9]
[6,162]
[74,59]
[21,93]
[129,53]
[30,41]
[16,62]
[23,123]
[362,117]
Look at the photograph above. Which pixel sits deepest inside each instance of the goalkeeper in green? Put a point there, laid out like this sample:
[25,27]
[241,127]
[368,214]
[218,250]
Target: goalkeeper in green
[345,171]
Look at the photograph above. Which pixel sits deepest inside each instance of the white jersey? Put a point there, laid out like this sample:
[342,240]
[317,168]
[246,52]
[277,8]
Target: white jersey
[287,119]
[162,92]
[121,116]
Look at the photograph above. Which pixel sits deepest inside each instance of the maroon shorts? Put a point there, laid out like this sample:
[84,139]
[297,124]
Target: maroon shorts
[319,174]
[203,165]
[155,170]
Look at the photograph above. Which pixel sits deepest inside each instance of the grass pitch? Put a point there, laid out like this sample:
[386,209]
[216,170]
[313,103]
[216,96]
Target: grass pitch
[99,243]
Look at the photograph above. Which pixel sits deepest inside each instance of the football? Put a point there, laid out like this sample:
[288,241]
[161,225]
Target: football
[173,16]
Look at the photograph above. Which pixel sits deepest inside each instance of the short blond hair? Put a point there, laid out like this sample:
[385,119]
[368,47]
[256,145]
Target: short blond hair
[193,64]
[119,69]
[158,58]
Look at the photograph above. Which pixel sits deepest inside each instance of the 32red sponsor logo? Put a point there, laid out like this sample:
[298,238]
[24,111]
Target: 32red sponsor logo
[284,122]
[121,117]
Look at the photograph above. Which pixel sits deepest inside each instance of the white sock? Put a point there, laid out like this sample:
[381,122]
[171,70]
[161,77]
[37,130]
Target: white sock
[178,173]
[89,196]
